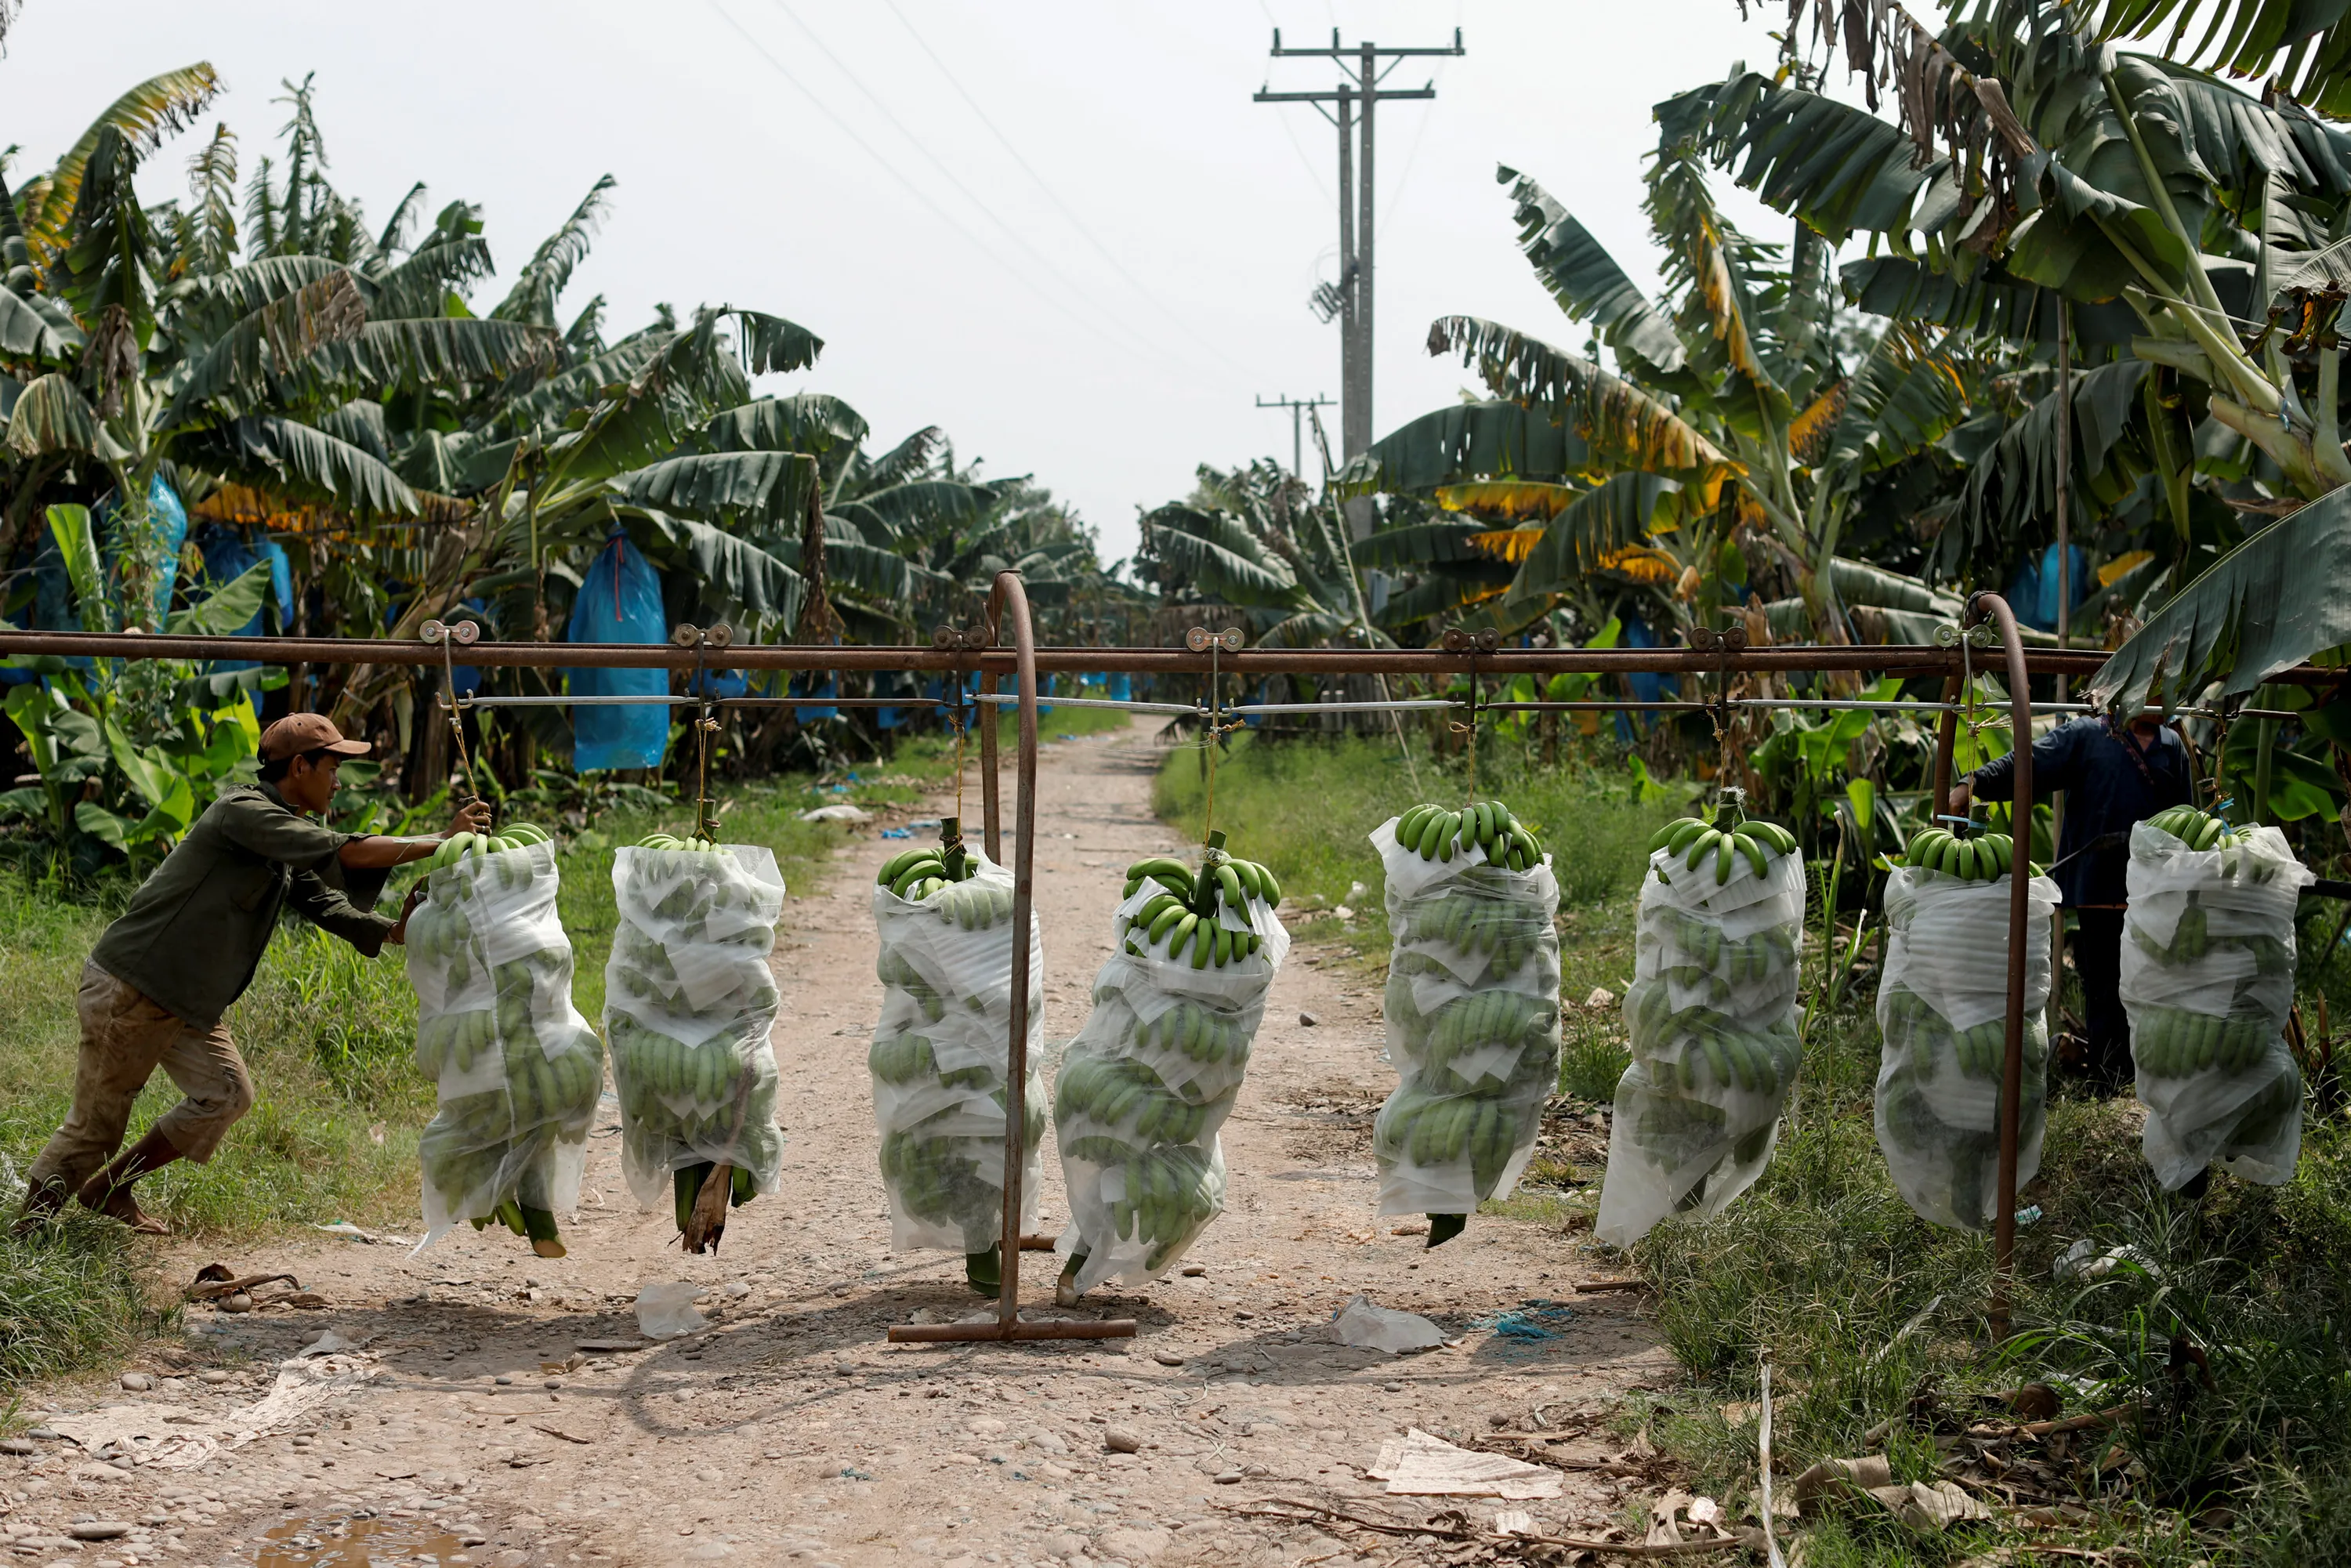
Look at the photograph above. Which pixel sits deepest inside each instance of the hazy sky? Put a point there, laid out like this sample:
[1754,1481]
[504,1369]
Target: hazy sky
[1061,230]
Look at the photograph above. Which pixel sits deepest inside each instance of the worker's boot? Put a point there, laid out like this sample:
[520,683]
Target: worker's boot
[1065,1289]
[109,1192]
[984,1272]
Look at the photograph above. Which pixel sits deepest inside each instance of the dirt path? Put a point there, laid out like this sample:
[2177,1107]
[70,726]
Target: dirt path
[791,1431]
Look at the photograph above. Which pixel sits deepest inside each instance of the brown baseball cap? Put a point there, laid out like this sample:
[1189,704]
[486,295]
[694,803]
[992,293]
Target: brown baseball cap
[300,732]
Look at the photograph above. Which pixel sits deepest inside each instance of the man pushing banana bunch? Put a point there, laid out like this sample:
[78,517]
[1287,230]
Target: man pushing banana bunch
[160,982]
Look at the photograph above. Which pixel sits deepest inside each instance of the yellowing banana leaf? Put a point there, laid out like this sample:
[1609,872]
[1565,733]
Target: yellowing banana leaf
[1508,498]
[1811,427]
[1644,564]
[1512,545]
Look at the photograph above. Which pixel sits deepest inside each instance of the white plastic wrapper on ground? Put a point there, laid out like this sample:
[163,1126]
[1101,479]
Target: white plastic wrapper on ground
[939,1059]
[2207,963]
[1942,1004]
[1472,1007]
[1711,1013]
[689,1004]
[516,1068]
[1143,1089]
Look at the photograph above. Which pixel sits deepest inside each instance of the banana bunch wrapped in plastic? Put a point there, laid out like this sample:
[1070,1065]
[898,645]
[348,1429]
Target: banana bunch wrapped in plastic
[690,1001]
[1472,1008]
[941,1053]
[1146,1084]
[1942,1006]
[1711,1016]
[2208,972]
[516,1068]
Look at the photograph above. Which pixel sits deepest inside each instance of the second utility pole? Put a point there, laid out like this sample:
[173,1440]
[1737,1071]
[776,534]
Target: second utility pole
[1352,301]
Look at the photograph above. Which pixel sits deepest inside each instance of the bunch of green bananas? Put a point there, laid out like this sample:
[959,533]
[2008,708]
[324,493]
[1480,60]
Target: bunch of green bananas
[1125,1094]
[1182,920]
[899,1059]
[1980,1051]
[697,844]
[1430,1128]
[1171,1192]
[1236,880]
[893,970]
[1984,857]
[2176,1042]
[956,1181]
[1944,1167]
[441,933]
[2192,941]
[458,846]
[1761,955]
[475,1142]
[1693,841]
[1435,832]
[1469,918]
[1196,1032]
[1701,1047]
[2200,830]
[652,1067]
[1472,1023]
[918,872]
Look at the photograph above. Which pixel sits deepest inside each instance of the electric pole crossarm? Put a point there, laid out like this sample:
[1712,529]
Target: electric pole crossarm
[1385,93]
[1336,52]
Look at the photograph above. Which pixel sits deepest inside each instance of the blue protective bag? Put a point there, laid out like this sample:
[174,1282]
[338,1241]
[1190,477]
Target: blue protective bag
[620,601]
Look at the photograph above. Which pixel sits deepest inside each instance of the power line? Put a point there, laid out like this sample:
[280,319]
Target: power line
[910,187]
[1412,154]
[949,176]
[1291,136]
[1051,195]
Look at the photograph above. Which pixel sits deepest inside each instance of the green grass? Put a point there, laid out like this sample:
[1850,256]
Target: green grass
[1864,1306]
[1306,808]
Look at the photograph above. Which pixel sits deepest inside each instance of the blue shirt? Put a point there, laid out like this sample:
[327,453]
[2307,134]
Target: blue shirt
[2106,790]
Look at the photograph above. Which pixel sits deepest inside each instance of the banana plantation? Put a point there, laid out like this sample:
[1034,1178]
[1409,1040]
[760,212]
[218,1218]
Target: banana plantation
[248,405]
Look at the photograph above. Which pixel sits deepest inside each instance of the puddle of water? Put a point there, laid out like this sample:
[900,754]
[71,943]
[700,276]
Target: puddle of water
[342,1542]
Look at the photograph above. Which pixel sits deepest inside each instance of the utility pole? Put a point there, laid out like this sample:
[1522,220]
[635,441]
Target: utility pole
[1350,301]
[1297,407]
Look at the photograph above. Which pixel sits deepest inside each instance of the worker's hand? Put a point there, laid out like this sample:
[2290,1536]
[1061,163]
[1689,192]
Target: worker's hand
[398,932]
[1962,793]
[472,817]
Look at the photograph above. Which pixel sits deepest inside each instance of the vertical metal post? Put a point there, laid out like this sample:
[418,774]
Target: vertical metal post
[2064,632]
[1348,445]
[1012,601]
[986,720]
[2019,913]
[1359,403]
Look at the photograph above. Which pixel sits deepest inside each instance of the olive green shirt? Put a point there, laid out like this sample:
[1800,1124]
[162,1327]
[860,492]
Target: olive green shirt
[196,930]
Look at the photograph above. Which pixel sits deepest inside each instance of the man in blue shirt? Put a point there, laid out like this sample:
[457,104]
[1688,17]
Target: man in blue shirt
[2114,774]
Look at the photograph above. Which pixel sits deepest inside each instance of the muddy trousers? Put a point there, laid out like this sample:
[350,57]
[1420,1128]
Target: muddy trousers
[125,1038]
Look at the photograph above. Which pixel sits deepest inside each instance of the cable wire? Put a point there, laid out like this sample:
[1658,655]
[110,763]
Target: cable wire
[1053,195]
[1140,344]
[911,188]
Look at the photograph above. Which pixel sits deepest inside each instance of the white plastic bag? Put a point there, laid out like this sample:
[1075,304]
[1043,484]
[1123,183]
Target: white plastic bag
[939,1059]
[1943,1008]
[689,1002]
[1712,1016]
[1472,1007]
[517,1069]
[2207,965]
[1144,1088]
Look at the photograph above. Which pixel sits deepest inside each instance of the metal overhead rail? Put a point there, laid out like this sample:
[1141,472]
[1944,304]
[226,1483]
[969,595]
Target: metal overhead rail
[974,657]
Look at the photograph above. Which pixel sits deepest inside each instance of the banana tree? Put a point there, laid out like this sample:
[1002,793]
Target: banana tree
[1732,415]
[2190,222]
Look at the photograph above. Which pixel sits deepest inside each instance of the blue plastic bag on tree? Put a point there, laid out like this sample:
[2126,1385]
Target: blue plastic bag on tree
[620,601]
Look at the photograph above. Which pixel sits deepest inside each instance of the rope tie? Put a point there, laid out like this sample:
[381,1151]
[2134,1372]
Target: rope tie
[457,721]
[1469,729]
